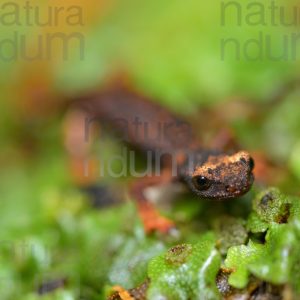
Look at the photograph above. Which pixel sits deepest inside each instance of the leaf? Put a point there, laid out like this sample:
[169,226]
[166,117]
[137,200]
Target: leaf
[238,259]
[130,266]
[276,261]
[186,272]
[255,224]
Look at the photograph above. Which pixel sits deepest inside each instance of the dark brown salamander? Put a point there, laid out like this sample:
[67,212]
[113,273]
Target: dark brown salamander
[151,128]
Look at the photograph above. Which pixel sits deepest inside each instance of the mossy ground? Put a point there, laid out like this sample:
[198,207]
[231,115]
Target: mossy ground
[171,50]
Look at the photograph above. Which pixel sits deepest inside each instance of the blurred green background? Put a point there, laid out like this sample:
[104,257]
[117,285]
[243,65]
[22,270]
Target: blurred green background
[172,51]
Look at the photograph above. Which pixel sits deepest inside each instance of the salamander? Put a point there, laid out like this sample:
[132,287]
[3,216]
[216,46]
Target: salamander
[150,128]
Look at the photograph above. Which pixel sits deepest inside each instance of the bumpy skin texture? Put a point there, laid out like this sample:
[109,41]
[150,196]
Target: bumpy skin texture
[219,176]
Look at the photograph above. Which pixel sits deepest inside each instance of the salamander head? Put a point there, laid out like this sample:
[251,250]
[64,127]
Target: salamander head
[222,176]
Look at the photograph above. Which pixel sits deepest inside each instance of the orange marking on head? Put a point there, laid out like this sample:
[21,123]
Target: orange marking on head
[124,294]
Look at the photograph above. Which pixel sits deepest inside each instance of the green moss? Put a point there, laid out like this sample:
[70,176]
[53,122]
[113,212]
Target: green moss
[272,206]
[129,268]
[277,259]
[186,271]
[231,232]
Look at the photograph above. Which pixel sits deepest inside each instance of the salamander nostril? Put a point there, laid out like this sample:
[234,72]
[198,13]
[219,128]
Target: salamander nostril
[251,163]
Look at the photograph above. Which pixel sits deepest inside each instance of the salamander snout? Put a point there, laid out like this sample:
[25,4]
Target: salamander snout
[223,176]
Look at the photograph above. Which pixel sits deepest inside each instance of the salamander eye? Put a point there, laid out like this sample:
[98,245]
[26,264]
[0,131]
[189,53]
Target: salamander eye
[201,183]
